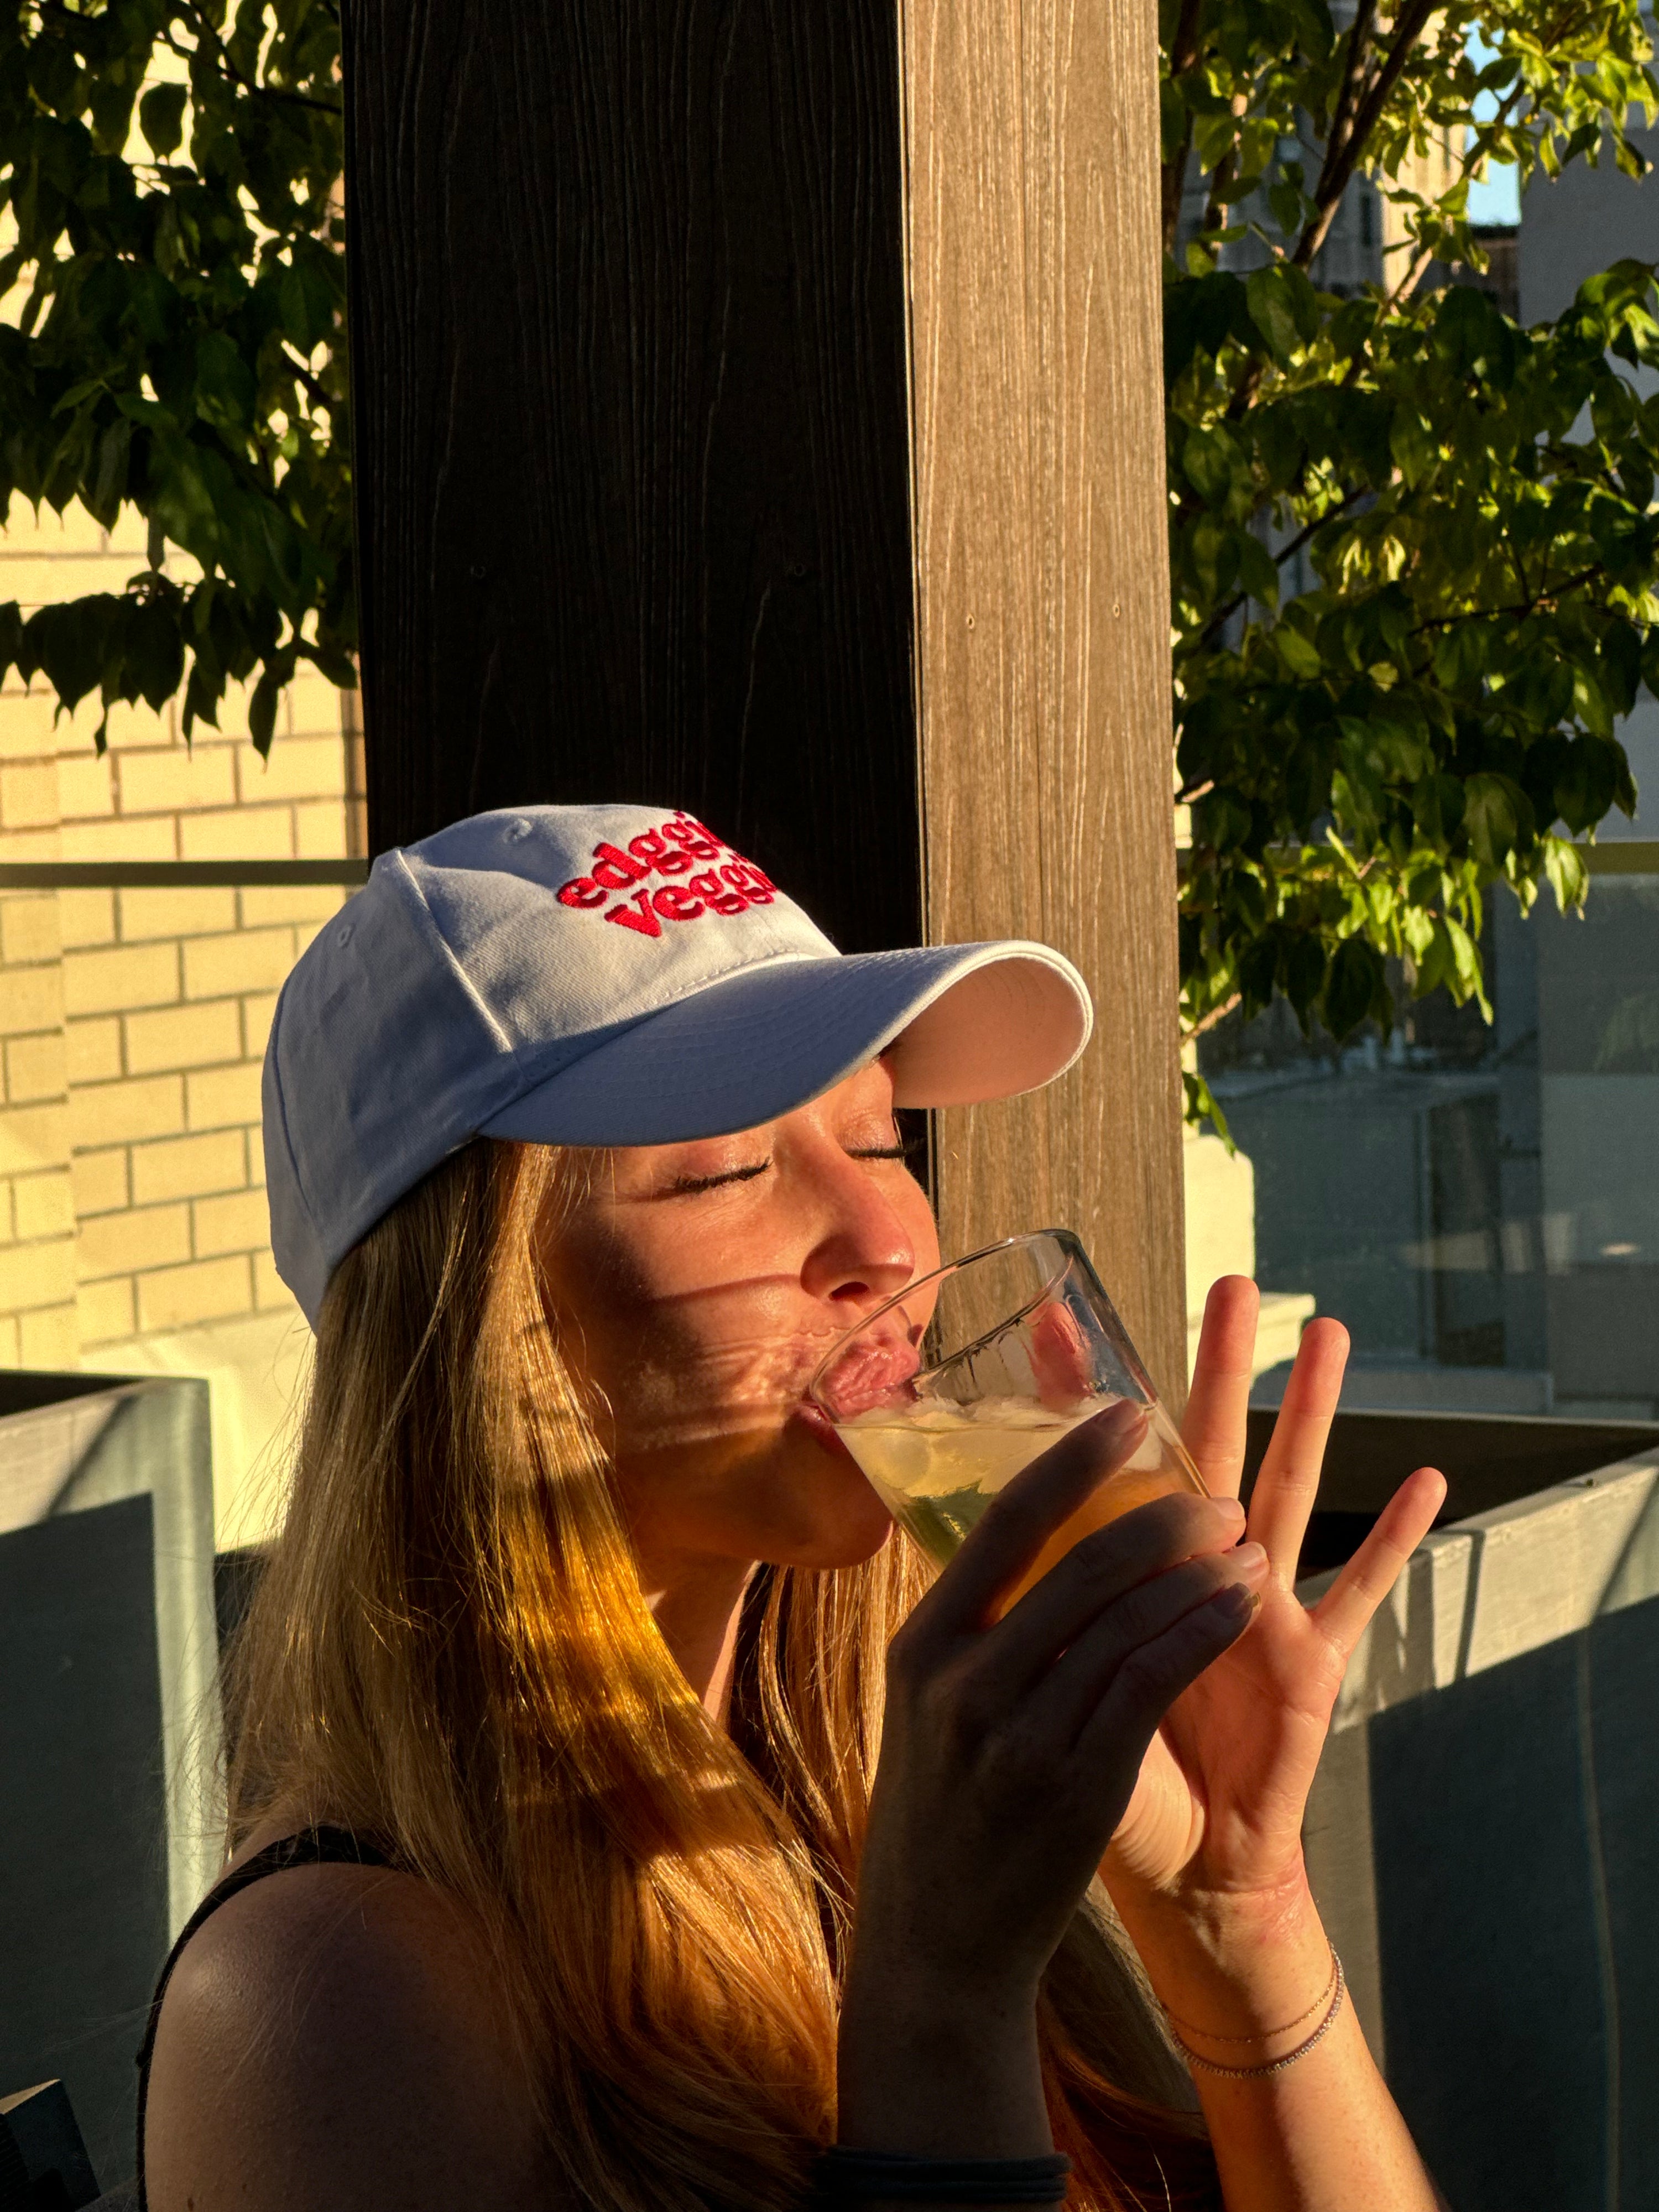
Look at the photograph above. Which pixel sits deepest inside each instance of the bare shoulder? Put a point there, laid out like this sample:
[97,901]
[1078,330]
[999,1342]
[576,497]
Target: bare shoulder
[332,2037]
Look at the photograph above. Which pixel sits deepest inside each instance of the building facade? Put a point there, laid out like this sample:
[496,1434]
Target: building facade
[133,1235]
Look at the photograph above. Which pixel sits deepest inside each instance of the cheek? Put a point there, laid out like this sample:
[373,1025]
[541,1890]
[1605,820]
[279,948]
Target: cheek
[680,1357]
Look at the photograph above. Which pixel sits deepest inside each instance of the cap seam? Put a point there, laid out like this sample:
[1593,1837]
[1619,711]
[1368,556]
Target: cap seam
[455,968]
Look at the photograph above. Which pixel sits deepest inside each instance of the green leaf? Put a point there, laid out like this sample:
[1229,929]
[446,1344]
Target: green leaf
[1210,457]
[309,302]
[1302,972]
[161,118]
[1586,782]
[1437,807]
[11,634]
[67,641]
[1258,970]
[109,485]
[1496,815]
[1298,655]
[1568,876]
[224,381]
[262,713]
[1257,573]
[1283,308]
[1201,1107]
[154,652]
[1355,988]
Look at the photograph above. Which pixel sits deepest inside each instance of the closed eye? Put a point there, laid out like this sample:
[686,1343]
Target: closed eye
[878,1152]
[688,1186]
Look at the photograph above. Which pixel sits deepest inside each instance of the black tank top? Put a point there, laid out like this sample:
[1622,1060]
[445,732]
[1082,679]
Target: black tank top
[311,1847]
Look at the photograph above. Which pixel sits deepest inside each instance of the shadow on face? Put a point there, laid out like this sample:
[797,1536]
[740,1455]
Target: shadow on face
[697,1285]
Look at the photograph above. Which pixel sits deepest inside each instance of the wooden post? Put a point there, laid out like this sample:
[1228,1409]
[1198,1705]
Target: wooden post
[713,371]
[1042,594]
[629,419]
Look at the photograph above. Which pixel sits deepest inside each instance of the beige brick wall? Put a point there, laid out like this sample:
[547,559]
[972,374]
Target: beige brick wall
[37,1213]
[167,996]
[133,1233]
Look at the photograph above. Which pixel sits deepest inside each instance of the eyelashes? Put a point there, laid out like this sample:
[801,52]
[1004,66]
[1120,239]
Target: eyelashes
[689,1186]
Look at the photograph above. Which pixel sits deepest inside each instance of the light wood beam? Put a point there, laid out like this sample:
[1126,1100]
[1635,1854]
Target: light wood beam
[1042,602]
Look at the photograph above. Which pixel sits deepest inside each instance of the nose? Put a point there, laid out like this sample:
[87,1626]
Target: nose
[862,1252]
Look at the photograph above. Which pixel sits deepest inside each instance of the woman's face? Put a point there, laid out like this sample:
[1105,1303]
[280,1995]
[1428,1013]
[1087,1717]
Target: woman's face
[699,1285]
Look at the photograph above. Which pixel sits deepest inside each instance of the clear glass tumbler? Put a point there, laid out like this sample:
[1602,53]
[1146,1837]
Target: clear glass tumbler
[947,1391]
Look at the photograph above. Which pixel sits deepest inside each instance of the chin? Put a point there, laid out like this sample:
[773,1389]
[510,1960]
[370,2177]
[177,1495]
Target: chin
[834,1518]
[847,1546]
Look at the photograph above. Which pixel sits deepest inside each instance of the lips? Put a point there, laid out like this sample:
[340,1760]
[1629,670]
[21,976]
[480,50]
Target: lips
[872,1371]
[820,1428]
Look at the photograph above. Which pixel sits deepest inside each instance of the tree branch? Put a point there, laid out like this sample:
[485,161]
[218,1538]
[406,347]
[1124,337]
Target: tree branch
[1353,69]
[1294,545]
[208,42]
[1342,157]
[1215,208]
[1425,254]
[1172,181]
[1216,1015]
[1547,595]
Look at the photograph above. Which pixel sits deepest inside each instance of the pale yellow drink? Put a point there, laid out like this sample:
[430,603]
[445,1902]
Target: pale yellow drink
[937,1465]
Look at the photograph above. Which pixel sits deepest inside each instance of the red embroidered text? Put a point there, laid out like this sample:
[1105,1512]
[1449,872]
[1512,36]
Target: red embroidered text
[674,850]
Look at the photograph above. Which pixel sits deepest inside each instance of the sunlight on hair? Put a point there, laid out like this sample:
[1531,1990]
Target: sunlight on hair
[449,1651]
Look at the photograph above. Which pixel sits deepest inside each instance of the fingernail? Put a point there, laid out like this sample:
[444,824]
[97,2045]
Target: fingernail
[1250,1563]
[1117,1421]
[1230,1508]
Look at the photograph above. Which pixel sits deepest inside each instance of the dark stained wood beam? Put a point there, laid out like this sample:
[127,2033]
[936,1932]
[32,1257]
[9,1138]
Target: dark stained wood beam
[756,409]
[630,425]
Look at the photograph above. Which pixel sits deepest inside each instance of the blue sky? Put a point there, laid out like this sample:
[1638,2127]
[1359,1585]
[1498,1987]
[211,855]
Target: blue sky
[1498,199]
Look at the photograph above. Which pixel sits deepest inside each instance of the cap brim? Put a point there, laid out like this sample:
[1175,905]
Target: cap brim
[967,1023]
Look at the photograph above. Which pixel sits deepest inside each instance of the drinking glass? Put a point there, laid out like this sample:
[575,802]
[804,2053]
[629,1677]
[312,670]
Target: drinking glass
[945,1392]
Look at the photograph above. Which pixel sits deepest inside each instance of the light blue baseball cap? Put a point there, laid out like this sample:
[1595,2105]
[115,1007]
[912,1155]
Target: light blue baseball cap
[603,975]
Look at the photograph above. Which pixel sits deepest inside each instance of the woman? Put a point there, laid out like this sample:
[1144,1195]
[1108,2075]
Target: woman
[644,1821]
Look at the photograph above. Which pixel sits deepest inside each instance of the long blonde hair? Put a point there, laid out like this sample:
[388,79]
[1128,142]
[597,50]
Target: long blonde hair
[448,1652]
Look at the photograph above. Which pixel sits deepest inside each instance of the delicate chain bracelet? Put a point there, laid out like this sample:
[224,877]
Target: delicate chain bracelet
[1273,2065]
[1264,2034]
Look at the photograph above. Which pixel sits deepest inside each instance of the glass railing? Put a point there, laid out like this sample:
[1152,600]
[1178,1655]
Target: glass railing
[1479,1204]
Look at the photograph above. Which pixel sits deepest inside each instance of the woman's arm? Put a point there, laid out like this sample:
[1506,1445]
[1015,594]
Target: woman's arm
[1005,1752]
[1207,1868]
[1010,1748]
[1323,2135]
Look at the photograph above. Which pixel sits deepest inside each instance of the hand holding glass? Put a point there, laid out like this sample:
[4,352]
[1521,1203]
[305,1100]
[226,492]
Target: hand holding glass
[945,1392]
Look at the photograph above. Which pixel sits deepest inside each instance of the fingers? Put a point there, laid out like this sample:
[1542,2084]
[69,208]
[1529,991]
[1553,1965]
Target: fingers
[1021,1518]
[1214,1428]
[1059,1359]
[1286,1489]
[1086,1674]
[1354,1596]
[1151,1677]
[1142,1546]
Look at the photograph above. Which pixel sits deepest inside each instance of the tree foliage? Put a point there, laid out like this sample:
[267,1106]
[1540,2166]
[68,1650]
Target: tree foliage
[1466,506]
[1414,562]
[168,171]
